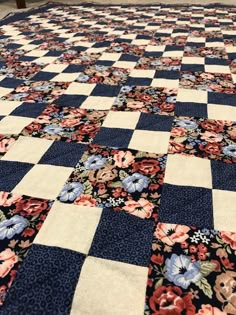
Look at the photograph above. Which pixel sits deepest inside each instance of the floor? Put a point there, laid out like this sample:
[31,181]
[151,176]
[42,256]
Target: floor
[7,6]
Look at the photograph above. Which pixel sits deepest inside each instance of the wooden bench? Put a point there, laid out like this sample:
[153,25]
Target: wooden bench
[20,4]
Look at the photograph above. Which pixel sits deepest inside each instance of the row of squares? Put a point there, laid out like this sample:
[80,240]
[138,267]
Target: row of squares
[50,268]
[124,180]
[129,249]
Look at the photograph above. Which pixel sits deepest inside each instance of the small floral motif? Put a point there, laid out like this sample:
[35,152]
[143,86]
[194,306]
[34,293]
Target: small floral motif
[20,70]
[6,142]
[104,75]
[208,52]
[21,218]
[146,99]
[211,82]
[165,40]
[39,91]
[191,272]
[77,58]
[170,64]
[126,48]
[124,180]
[206,138]
[68,124]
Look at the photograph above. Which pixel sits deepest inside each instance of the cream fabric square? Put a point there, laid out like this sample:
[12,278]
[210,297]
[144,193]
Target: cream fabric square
[6,107]
[37,53]
[215,44]
[98,102]
[43,181]
[45,60]
[173,53]
[80,88]
[94,293]
[4,91]
[188,171]
[110,56]
[129,36]
[193,60]
[221,112]
[28,47]
[196,96]
[70,226]
[217,69]
[127,120]
[141,42]
[169,83]
[14,124]
[93,50]
[124,64]
[57,68]
[224,206]
[28,150]
[155,48]
[230,49]
[150,141]
[196,39]
[234,78]
[136,73]
[65,77]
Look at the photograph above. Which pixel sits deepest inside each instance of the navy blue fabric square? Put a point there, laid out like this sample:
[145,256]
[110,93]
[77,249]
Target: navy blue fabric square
[216,61]
[80,48]
[31,110]
[123,237]
[45,283]
[186,205]
[105,90]
[74,68]
[138,81]
[53,53]
[223,175]
[174,48]
[194,44]
[192,67]
[44,76]
[174,75]
[27,58]
[231,56]
[156,54]
[191,109]
[113,137]
[107,63]
[11,173]
[102,44]
[222,98]
[13,46]
[214,39]
[10,83]
[71,100]
[154,122]
[63,154]
[126,57]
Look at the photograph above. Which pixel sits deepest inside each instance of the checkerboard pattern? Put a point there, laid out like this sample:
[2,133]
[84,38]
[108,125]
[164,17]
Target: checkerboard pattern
[117,160]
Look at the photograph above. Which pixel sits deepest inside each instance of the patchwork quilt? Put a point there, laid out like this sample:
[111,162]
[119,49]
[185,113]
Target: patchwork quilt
[118,152]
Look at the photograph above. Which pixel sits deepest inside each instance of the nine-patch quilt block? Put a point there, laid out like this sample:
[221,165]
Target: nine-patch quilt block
[117,160]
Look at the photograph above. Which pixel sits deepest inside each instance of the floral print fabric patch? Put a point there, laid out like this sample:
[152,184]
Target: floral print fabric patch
[121,179]
[104,75]
[67,124]
[191,271]
[212,82]
[21,218]
[205,138]
[39,91]
[146,99]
